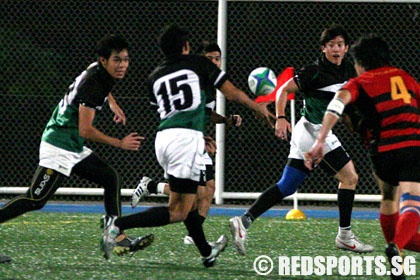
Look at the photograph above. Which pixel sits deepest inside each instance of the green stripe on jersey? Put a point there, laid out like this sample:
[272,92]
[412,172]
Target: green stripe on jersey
[62,129]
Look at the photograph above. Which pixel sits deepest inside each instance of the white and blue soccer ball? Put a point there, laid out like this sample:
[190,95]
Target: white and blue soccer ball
[262,81]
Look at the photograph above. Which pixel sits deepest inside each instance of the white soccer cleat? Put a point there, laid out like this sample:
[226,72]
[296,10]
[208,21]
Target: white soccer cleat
[352,243]
[216,248]
[239,234]
[188,240]
[140,191]
[109,236]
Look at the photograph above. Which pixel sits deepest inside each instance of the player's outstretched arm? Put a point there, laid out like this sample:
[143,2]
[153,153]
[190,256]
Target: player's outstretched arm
[234,94]
[283,127]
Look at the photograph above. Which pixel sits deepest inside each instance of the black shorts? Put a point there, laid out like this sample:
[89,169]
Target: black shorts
[398,165]
[207,176]
[180,185]
[334,161]
[331,163]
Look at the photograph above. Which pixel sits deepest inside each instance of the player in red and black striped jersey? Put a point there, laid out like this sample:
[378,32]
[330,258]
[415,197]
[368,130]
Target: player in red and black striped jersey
[389,99]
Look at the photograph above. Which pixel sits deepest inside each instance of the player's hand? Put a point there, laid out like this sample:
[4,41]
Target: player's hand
[120,119]
[282,128]
[119,116]
[315,155]
[263,112]
[210,145]
[234,120]
[132,142]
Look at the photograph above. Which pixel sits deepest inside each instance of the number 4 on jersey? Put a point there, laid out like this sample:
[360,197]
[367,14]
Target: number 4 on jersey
[399,90]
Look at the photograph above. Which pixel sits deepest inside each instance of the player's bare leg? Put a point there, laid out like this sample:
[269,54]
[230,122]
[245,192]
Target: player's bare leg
[205,198]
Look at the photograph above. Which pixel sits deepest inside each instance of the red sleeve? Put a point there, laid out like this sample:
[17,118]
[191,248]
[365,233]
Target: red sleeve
[352,86]
[417,94]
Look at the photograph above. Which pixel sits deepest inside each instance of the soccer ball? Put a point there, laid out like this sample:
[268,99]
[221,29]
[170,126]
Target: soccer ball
[262,81]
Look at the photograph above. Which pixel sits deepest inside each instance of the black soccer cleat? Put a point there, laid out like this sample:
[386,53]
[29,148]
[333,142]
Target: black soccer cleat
[5,259]
[131,245]
[391,251]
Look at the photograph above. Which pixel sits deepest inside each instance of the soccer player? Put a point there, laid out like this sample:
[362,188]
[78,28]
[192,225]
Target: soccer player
[206,189]
[318,83]
[178,87]
[62,149]
[389,100]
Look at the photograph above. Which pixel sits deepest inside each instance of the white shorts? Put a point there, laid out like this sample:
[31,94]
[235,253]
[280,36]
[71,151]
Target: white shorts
[303,137]
[207,159]
[180,152]
[59,159]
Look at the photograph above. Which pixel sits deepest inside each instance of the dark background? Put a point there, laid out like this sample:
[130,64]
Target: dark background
[46,44]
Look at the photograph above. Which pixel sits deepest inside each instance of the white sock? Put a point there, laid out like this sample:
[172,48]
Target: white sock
[344,232]
[160,188]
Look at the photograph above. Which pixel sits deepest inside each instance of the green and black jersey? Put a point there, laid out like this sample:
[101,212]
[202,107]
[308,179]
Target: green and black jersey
[180,87]
[319,82]
[91,89]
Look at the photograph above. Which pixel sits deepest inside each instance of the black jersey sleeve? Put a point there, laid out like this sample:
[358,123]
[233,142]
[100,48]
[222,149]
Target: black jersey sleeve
[304,78]
[91,94]
[216,76]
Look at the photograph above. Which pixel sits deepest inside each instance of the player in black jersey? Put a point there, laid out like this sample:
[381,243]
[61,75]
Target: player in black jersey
[317,83]
[206,189]
[178,88]
[62,149]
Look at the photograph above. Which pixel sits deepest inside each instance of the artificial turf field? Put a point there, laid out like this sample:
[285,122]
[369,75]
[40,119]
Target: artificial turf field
[66,246]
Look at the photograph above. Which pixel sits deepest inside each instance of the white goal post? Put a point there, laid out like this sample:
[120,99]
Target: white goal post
[220,194]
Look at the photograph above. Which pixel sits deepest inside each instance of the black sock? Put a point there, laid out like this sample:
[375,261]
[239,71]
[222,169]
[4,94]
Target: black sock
[345,200]
[194,225]
[247,220]
[267,199]
[152,217]
[152,187]
[201,220]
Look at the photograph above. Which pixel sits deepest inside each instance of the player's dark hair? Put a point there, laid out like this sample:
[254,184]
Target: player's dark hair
[206,47]
[109,43]
[333,31]
[370,51]
[172,39]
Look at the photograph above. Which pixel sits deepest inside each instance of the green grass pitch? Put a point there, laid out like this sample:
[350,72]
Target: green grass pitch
[48,246]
